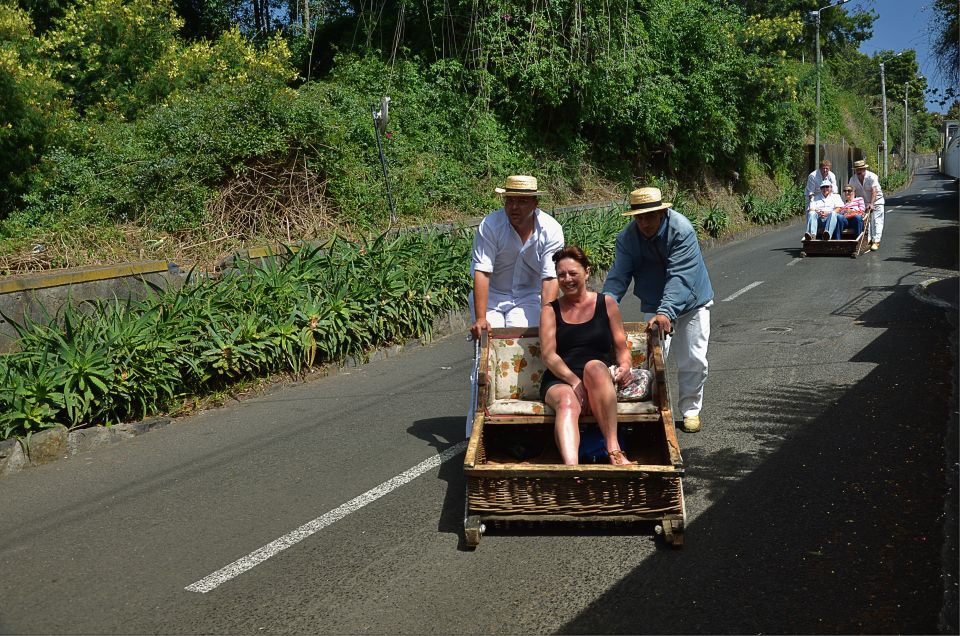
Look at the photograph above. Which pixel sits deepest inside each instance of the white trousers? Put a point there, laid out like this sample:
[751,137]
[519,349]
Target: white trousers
[523,315]
[691,332]
[876,223]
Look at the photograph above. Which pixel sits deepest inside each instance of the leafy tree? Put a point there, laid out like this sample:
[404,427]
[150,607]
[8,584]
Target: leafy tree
[44,12]
[204,18]
[100,49]
[946,27]
[840,29]
[954,111]
[29,109]
[230,59]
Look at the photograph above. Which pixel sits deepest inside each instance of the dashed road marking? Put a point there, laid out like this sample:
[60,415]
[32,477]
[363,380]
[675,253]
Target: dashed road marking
[742,291]
[260,555]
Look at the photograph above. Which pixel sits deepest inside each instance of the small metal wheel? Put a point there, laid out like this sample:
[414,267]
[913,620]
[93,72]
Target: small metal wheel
[672,532]
[855,254]
[803,254]
[473,530]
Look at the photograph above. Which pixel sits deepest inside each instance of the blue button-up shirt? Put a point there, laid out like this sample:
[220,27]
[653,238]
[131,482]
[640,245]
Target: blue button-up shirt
[668,272]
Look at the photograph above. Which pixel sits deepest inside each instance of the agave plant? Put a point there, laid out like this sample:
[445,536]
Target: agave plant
[114,360]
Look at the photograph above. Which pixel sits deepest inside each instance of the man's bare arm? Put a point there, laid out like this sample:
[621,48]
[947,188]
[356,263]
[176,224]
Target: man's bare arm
[481,293]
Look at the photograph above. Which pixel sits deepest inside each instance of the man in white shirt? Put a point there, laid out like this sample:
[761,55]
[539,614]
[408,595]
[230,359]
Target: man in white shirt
[512,266]
[822,217]
[867,185]
[819,176]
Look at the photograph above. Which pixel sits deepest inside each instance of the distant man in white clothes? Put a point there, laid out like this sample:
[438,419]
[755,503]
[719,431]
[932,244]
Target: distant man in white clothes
[867,185]
[512,266]
[819,176]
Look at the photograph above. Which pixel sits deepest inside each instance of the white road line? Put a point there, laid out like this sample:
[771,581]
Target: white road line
[260,555]
[794,262]
[742,291]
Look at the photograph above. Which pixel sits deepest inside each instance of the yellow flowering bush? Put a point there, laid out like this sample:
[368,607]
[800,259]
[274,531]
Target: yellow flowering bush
[29,109]
[231,59]
[100,49]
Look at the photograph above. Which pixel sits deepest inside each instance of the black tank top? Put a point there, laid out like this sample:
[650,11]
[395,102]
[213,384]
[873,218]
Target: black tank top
[578,344]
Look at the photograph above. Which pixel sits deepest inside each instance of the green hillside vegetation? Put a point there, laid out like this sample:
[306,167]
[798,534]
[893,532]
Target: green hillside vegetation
[186,130]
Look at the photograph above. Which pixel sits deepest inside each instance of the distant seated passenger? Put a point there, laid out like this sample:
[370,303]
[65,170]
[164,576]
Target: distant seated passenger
[851,212]
[822,213]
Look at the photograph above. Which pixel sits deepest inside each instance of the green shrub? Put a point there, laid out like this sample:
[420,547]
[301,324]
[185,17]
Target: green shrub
[715,220]
[117,360]
[31,111]
[100,49]
[595,232]
[895,180]
[763,211]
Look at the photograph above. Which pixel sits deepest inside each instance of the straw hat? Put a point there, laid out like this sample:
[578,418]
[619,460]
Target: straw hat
[643,200]
[520,185]
[860,164]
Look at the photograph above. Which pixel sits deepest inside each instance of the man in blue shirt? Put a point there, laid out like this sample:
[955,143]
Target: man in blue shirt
[659,252]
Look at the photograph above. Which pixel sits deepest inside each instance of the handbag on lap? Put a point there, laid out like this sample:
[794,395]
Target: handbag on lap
[637,386]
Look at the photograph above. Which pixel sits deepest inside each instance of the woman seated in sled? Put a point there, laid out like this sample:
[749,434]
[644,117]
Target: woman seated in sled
[851,212]
[578,331]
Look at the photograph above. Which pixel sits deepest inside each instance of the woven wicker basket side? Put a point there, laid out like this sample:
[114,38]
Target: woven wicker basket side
[644,494]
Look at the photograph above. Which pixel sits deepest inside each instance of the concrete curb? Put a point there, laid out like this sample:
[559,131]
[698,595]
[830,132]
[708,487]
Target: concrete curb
[921,291]
[58,442]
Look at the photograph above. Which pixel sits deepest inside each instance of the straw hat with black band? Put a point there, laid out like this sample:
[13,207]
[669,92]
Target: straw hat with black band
[644,200]
[860,163]
[520,185]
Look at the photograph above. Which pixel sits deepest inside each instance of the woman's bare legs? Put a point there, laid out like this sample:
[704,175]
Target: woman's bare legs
[603,403]
[562,399]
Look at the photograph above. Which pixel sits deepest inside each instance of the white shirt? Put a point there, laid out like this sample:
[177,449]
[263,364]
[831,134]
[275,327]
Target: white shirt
[815,179]
[516,270]
[827,203]
[865,189]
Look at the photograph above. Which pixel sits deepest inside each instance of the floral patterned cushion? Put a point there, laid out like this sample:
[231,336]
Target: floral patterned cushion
[535,407]
[518,407]
[517,368]
[637,343]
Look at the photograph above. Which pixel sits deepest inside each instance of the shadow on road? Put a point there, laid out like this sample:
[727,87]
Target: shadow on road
[836,529]
[792,252]
[441,433]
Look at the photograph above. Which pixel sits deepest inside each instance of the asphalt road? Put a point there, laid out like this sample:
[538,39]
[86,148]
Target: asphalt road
[815,491]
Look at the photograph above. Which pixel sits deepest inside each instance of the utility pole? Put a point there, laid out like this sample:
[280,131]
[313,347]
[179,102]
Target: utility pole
[883,91]
[816,135]
[906,124]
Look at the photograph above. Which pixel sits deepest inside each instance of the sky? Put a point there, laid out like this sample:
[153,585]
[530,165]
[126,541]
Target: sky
[904,24]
